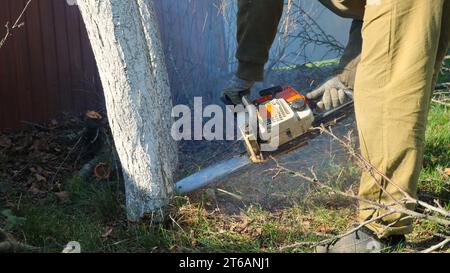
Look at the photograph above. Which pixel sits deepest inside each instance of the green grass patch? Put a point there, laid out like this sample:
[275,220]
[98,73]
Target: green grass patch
[437,153]
[318,64]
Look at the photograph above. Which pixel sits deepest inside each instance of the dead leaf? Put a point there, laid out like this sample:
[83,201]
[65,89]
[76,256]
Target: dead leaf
[256,232]
[434,159]
[222,231]
[447,171]
[325,229]
[306,224]
[40,178]
[94,115]
[5,142]
[39,145]
[107,233]
[34,189]
[63,196]
[243,225]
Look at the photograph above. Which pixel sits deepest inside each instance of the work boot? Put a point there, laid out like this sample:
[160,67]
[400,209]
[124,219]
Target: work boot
[236,88]
[362,241]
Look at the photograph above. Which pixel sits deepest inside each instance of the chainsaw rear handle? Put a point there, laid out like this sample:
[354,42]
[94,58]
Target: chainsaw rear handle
[273,91]
[246,101]
[226,100]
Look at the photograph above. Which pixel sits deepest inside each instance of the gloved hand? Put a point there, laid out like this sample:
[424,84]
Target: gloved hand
[235,89]
[333,92]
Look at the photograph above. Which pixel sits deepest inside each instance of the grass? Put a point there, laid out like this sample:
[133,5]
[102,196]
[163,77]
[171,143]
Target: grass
[437,155]
[317,64]
[97,222]
[432,184]
[95,214]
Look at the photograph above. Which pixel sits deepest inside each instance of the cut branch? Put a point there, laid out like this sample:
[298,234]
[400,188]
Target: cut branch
[367,166]
[438,246]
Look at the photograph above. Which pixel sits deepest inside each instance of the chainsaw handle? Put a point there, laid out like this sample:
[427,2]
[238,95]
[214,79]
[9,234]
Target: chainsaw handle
[246,101]
[273,91]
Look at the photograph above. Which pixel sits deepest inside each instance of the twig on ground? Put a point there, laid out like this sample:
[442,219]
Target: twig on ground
[441,102]
[360,226]
[335,238]
[398,207]
[437,247]
[68,155]
[388,207]
[35,125]
[298,244]
[367,166]
[441,86]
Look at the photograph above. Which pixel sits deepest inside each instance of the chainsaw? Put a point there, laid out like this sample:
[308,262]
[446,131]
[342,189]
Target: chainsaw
[274,125]
[274,122]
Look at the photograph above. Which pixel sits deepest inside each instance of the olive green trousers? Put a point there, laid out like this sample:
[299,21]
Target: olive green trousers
[257,24]
[403,45]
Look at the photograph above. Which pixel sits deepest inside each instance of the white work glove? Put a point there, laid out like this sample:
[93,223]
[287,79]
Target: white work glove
[332,94]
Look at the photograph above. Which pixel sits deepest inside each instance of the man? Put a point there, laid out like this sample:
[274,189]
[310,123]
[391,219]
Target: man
[392,61]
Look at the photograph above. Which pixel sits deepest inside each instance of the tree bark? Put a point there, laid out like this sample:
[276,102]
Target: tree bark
[125,39]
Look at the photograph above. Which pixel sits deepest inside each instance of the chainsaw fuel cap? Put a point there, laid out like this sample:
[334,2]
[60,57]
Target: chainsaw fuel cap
[298,105]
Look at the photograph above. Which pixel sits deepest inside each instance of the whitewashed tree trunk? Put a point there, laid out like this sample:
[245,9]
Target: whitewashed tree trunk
[125,39]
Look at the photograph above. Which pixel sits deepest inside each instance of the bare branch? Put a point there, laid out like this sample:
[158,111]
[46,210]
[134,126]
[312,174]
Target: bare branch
[388,207]
[438,246]
[367,166]
[17,24]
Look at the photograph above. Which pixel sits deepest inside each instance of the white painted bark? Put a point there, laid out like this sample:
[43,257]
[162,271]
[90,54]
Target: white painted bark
[125,39]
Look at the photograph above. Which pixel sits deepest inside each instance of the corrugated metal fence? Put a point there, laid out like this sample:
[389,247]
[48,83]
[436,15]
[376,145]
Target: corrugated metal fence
[46,67]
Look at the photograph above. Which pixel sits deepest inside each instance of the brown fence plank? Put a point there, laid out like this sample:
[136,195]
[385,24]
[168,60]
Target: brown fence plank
[73,34]
[49,55]
[93,98]
[21,66]
[13,110]
[8,114]
[3,70]
[63,56]
[37,65]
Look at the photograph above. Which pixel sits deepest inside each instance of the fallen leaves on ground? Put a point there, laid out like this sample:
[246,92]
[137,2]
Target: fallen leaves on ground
[38,159]
[447,171]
